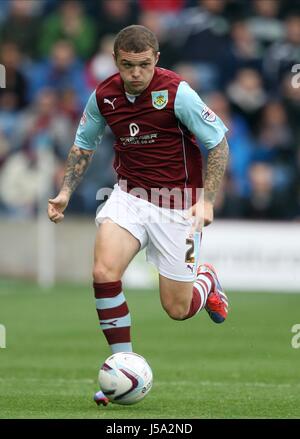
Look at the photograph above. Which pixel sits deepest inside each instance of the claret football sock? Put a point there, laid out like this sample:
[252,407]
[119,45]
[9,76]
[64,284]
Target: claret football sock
[201,289]
[113,315]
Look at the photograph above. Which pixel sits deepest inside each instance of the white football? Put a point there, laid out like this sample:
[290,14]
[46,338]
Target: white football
[125,378]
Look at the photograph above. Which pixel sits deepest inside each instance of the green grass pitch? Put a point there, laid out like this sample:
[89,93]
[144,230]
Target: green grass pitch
[244,368]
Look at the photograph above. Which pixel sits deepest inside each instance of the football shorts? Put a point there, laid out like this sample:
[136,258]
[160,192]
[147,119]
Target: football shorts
[165,233]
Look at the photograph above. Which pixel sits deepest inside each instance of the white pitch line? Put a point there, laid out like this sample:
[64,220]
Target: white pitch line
[226,383]
[156,383]
[50,380]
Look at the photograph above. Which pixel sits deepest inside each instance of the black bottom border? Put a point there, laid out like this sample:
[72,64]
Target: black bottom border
[147,428]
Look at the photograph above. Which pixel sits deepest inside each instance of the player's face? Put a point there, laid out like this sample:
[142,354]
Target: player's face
[136,69]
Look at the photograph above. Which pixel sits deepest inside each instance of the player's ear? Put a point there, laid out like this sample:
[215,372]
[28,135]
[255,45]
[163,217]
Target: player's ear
[114,57]
[157,57]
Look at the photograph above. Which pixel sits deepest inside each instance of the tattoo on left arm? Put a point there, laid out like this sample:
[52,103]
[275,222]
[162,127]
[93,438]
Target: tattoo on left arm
[216,166]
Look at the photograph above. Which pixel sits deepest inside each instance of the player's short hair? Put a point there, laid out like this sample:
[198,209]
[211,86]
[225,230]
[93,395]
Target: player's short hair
[135,38]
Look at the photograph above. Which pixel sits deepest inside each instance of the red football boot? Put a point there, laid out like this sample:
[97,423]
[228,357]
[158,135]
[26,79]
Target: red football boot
[100,398]
[217,301]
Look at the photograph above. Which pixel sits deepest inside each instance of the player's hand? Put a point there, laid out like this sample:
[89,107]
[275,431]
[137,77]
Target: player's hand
[56,207]
[202,214]
[208,213]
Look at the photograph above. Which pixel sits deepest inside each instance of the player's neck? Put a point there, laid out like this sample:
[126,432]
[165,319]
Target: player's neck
[132,92]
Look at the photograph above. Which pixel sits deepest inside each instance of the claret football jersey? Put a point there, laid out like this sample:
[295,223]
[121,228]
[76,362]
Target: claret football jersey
[155,133]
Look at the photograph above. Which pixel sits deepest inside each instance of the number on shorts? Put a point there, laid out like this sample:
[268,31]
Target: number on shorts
[190,253]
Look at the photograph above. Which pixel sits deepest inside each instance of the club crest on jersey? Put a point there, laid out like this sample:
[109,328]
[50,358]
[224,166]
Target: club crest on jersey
[159,99]
[208,114]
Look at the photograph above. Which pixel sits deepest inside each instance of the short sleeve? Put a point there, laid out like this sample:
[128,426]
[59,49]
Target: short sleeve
[91,127]
[197,117]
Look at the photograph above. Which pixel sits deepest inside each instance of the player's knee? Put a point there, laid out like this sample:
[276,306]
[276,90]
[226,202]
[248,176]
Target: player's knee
[177,311]
[103,272]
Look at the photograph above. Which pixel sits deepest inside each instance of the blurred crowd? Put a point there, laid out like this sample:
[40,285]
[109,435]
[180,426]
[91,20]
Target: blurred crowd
[241,56]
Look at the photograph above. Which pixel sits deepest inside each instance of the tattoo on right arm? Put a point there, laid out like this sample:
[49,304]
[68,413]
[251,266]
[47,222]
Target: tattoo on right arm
[77,163]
